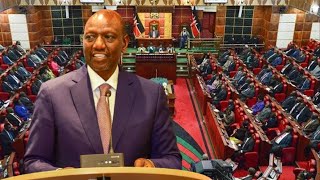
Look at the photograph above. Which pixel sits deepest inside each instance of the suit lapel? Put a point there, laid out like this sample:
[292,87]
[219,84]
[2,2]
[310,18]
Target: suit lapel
[123,106]
[83,100]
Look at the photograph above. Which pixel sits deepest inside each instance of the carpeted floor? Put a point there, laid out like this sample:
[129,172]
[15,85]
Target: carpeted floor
[190,142]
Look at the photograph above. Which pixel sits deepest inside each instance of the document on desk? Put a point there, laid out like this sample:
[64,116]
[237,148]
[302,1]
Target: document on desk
[233,144]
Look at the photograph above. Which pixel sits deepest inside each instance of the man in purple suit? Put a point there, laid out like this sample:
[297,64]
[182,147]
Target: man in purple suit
[65,125]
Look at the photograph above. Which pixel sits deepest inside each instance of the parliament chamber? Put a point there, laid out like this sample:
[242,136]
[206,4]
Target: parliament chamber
[250,67]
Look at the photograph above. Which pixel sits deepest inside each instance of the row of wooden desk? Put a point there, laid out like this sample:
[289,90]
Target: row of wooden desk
[157,65]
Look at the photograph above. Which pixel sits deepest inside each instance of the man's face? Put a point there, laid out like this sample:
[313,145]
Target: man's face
[103,42]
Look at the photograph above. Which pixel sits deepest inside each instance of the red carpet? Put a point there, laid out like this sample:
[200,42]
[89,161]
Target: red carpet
[184,112]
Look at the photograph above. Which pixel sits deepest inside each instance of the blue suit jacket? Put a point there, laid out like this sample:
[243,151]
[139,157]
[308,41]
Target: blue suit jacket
[68,127]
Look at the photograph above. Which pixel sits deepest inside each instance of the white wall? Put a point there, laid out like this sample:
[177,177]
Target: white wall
[19,29]
[286,29]
[315,31]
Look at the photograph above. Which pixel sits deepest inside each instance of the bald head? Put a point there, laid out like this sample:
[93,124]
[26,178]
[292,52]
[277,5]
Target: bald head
[112,16]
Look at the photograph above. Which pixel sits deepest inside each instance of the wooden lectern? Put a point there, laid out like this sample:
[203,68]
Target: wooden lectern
[113,173]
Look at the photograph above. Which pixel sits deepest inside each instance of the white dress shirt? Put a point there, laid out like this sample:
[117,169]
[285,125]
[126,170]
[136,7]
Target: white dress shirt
[96,81]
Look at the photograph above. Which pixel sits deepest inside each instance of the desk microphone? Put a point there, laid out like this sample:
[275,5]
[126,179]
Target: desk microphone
[103,160]
[108,94]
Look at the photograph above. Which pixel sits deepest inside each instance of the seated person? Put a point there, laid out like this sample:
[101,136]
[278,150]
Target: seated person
[220,95]
[289,102]
[258,106]
[170,49]
[316,51]
[141,49]
[228,117]
[21,111]
[246,146]
[275,59]
[18,47]
[251,61]
[298,105]
[7,137]
[268,53]
[300,58]
[229,65]
[223,60]
[23,99]
[241,81]
[205,69]
[154,33]
[314,62]
[263,71]
[311,126]
[238,135]
[160,49]
[304,114]
[151,48]
[248,93]
[316,71]
[266,77]
[227,52]
[35,87]
[216,85]
[316,98]
[244,85]
[293,74]
[302,82]
[13,80]
[283,140]
[287,68]
[238,75]
[271,122]
[6,59]
[6,87]
[276,86]
[13,119]
[264,114]
[314,141]
[16,73]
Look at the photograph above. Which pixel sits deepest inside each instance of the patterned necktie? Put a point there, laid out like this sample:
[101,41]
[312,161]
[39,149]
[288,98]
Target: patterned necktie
[104,117]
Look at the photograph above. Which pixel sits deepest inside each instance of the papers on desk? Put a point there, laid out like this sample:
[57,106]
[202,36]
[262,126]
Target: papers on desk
[250,111]
[233,143]
[268,89]
[216,110]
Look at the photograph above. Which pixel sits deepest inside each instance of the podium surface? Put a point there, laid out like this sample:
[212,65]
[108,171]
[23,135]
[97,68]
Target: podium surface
[113,173]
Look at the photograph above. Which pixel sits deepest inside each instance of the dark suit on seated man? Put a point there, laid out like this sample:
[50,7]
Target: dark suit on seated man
[264,114]
[304,114]
[311,125]
[240,133]
[13,118]
[289,102]
[249,92]
[283,140]
[7,137]
[246,146]
[220,95]
[314,141]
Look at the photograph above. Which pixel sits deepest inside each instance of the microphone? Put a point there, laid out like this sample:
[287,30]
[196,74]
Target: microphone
[108,93]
